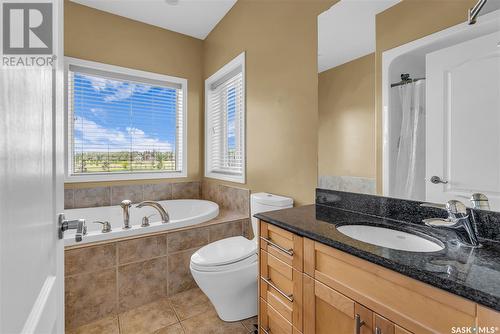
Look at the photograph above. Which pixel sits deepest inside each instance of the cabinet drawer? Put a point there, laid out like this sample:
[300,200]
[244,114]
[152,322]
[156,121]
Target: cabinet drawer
[271,321]
[282,244]
[404,301]
[281,288]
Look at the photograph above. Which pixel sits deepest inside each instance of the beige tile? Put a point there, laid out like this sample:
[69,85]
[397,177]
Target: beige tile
[187,239]
[210,191]
[108,325]
[225,230]
[172,329]
[148,318]
[141,283]
[179,274]
[249,323]
[209,323]
[131,192]
[190,303]
[92,197]
[69,198]
[90,297]
[141,249]
[157,191]
[186,190]
[235,199]
[89,259]
[247,229]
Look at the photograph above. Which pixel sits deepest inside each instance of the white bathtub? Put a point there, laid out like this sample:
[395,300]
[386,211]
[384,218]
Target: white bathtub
[183,212]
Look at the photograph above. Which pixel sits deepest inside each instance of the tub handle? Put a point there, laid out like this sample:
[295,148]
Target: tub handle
[275,245]
[271,284]
[106,226]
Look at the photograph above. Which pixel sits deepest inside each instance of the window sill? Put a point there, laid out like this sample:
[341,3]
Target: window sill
[226,177]
[123,176]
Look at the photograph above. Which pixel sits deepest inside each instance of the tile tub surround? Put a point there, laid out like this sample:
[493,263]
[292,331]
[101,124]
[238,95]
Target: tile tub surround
[188,312]
[354,184]
[113,195]
[106,279]
[229,198]
[464,271]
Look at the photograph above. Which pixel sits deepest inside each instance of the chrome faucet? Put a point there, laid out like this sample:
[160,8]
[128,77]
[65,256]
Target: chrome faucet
[458,219]
[126,204]
[165,218]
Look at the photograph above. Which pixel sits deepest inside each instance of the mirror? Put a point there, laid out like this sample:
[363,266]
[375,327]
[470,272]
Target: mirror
[409,118]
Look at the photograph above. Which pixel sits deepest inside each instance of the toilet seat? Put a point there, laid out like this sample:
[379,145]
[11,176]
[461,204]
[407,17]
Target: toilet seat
[225,254]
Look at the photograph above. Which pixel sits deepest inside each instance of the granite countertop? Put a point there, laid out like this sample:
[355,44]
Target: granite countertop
[473,273]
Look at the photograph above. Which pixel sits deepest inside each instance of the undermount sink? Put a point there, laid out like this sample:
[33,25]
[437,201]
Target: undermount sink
[386,237]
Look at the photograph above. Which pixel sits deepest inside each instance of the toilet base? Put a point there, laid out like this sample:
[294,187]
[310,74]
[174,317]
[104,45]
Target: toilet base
[233,293]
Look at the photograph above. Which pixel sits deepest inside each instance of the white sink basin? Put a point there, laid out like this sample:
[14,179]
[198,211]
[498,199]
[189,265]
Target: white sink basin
[389,238]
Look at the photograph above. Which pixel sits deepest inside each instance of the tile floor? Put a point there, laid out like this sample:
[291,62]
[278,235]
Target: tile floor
[188,312]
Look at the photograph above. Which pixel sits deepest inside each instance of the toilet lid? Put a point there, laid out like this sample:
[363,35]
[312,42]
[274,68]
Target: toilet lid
[224,252]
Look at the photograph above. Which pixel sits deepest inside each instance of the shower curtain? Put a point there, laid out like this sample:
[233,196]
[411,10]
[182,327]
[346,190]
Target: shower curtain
[410,157]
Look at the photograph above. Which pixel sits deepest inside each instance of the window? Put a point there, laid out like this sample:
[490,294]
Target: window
[225,122]
[123,123]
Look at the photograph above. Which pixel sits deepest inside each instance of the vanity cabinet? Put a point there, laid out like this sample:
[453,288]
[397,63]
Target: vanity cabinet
[307,287]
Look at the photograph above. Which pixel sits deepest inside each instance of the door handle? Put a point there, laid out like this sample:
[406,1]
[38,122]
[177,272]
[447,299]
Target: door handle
[358,324]
[77,224]
[437,180]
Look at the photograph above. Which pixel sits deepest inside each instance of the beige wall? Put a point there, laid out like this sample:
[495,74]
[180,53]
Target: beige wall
[280,40]
[99,36]
[407,21]
[346,131]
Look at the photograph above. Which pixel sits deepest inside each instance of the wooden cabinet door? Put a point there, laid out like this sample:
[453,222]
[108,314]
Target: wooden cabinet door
[326,311]
[399,330]
[382,325]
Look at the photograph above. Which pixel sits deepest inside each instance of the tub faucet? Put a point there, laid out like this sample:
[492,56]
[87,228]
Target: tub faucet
[458,219]
[165,218]
[126,204]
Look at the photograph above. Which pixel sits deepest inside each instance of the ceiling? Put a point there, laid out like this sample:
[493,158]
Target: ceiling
[346,31]
[195,18]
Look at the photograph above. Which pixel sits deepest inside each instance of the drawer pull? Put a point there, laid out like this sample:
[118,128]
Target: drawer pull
[358,324]
[378,330]
[275,245]
[271,284]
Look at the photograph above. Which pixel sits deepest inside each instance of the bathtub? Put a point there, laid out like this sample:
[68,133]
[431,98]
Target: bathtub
[183,213]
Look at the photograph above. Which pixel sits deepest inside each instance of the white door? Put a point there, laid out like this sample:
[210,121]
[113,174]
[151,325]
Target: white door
[31,193]
[463,118]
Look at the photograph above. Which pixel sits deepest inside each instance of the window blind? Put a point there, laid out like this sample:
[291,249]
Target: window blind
[123,124]
[226,124]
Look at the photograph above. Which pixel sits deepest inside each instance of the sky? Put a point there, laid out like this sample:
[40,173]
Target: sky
[116,115]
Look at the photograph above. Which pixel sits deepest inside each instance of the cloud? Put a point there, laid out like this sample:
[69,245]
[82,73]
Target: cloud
[115,90]
[92,137]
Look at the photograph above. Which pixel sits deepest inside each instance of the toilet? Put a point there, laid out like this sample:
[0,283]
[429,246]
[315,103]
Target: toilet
[226,270]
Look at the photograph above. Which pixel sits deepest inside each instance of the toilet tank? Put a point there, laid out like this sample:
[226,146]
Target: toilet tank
[262,202]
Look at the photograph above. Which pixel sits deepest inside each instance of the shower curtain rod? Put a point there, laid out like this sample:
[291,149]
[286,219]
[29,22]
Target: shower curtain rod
[404,82]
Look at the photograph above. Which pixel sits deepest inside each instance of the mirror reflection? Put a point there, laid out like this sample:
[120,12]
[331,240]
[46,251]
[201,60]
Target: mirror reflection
[410,118]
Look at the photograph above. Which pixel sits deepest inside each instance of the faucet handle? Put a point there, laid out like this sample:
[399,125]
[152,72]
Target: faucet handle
[126,203]
[106,226]
[456,209]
